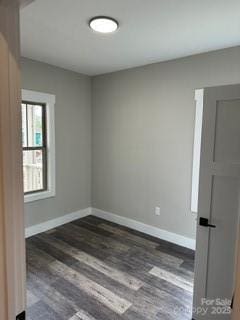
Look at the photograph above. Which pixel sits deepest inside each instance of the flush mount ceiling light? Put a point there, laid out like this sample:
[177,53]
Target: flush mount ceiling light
[103,24]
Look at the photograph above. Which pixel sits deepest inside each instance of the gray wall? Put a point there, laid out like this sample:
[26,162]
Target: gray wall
[73,139]
[143,124]
[142,137]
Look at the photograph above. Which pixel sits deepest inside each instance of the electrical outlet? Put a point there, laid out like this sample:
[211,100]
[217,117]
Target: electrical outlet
[157,211]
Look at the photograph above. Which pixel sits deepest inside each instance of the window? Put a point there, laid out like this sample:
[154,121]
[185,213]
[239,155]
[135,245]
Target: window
[34,147]
[38,145]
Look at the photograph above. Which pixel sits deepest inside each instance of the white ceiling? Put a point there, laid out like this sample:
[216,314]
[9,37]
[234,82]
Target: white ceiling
[56,31]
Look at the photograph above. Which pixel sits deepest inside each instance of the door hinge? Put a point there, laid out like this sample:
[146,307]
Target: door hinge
[21,316]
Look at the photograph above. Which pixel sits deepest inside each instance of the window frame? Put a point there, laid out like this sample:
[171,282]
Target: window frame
[48,100]
[42,148]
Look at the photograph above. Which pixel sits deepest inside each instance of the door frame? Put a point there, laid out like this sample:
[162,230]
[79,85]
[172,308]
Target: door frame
[12,240]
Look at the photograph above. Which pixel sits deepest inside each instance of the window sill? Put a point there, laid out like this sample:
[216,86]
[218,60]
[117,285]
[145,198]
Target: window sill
[38,196]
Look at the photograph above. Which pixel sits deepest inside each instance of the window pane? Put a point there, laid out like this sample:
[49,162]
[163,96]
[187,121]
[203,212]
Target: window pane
[33,170]
[24,125]
[35,125]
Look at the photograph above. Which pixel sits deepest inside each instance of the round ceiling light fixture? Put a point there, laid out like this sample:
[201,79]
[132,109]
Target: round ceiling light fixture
[103,24]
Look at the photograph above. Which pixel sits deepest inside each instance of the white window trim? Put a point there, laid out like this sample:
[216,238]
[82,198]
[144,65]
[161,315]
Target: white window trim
[49,100]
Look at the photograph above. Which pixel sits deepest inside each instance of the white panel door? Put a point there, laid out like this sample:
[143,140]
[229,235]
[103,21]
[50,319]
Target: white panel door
[218,203]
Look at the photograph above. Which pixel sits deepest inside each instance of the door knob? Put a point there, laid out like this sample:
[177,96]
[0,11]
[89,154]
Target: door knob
[205,223]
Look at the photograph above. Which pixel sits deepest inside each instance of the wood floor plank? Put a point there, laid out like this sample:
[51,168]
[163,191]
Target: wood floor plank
[93,220]
[103,295]
[54,251]
[101,244]
[175,315]
[133,315]
[161,245]
[84,301]
[39,264]
[106,282]
[137,298]
[42,311]
[97,264]
[93,269]
[93,228]
[75,317]
[112,235]
[88,246]
[147,259]
[188,265]
[154,257]
[131,266]
[82,315]
[177,251]
[143,301]
[172,278]
[31,298]
[97,234]
[128,236]
[47,294]
[152,281]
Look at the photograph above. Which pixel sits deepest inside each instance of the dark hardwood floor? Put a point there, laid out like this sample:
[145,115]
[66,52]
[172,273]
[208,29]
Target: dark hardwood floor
[92,269]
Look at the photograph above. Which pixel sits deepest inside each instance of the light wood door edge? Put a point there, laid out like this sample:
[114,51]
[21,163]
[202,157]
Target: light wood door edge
[236,304]
[12,242]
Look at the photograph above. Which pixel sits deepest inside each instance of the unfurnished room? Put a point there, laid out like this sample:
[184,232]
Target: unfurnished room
[119,160]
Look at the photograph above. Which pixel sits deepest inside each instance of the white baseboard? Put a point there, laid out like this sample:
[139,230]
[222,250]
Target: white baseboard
[136,225]
[150,230]
[51,224]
